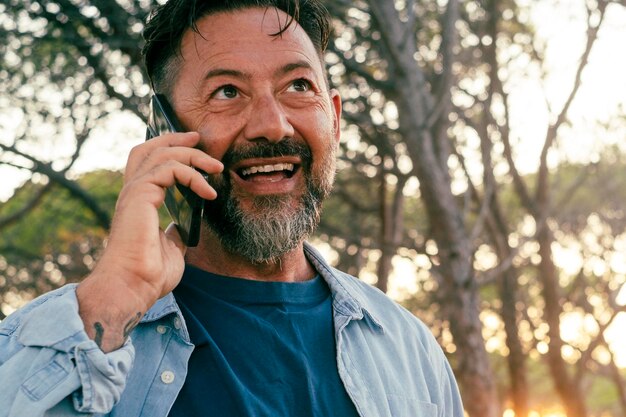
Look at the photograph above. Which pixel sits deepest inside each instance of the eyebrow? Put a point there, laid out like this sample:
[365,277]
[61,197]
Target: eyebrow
[286,69]
[226,72]
[294,66]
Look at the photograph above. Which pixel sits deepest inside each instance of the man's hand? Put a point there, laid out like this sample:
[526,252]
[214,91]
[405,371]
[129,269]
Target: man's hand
[141,262]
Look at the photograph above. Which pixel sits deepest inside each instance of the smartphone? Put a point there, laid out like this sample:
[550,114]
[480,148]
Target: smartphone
[183,205]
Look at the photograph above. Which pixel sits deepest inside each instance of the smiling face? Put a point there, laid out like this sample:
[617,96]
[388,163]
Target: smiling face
[261,105]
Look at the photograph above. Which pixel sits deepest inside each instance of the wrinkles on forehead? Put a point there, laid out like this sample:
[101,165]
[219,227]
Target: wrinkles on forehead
[246,41]
[273,23]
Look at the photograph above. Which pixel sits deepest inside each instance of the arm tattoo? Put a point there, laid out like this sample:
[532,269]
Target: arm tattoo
[132,323]
[99,329]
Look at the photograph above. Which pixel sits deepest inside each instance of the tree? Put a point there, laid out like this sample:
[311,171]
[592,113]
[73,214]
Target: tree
[55,242]
[67,67]
[413,92]
[490,121]
[381,56]
[64,72]
[429,123]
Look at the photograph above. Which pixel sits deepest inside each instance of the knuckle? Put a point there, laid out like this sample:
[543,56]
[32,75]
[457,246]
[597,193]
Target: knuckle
[136,151]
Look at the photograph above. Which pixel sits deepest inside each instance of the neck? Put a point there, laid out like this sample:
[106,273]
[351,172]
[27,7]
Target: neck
[210,256]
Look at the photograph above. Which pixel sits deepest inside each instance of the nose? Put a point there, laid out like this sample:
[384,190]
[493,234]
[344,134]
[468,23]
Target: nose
[267,121]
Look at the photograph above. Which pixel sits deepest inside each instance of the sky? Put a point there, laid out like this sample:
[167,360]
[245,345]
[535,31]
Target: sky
[562,25]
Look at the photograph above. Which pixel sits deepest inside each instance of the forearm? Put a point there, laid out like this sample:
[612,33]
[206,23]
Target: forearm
[111,308]
[142,263]
[46,357]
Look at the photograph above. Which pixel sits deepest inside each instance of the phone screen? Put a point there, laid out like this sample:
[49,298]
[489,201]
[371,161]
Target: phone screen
[183,205]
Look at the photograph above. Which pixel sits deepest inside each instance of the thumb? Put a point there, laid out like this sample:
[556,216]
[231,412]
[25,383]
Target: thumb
[172,234]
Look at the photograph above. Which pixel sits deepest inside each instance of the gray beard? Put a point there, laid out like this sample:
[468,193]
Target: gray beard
[269,230]
[275,224]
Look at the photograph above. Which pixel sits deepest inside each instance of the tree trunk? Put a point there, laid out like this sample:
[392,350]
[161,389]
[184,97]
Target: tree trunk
[459,296]
[508,289]
[497,230]
[386,236]
[618,380]
[516,360]
[392,223]
[423,123]
[567,388]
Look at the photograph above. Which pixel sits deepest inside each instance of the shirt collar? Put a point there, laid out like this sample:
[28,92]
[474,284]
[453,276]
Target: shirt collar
[349,294]
[163,307]
[167,307]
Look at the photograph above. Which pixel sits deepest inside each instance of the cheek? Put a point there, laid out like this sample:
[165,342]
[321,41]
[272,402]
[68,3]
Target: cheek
[319,120]
[314,125]
[217,131]
[324,151]
[218,136]
[322,136]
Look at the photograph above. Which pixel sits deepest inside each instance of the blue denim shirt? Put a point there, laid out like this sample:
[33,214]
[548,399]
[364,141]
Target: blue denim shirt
[388,360]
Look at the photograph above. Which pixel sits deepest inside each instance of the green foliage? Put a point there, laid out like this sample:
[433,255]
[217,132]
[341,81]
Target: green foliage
[59,220]
[55,242]
[602,395]
[598,188]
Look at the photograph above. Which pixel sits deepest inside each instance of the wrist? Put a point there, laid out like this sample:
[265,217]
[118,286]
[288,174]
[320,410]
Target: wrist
[111,308]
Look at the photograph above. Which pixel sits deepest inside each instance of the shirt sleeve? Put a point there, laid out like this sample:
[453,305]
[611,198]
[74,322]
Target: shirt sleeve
[452,403]
[47,360]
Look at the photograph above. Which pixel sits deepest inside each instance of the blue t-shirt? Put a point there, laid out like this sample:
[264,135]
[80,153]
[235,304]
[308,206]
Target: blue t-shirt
[263,349]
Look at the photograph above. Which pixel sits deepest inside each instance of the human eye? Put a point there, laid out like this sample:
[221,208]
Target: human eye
[225,92]
[301,85]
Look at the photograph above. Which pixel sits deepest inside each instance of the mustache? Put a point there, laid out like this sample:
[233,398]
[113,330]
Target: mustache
[286,147]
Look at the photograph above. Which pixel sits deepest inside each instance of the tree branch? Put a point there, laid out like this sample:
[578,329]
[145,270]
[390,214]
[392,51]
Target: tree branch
[551,135]
[27,207]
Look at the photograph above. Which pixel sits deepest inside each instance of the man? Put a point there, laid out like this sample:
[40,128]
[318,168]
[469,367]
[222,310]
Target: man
[252,321]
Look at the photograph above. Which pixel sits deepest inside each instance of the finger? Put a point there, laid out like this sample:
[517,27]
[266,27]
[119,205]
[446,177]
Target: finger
[139,153]
[173,172]
[187,156]
[197,183]
[171,234]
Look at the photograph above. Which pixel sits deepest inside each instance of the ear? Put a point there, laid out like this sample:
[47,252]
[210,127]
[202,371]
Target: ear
[336,103]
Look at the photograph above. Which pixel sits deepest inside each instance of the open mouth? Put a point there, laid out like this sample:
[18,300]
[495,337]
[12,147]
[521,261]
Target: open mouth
[268,172]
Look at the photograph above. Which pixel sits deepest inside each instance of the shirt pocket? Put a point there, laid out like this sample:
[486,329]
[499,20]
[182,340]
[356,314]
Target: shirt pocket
[44,380]
[401,406]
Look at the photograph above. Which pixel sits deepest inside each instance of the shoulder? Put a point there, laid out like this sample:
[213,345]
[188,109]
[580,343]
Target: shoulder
[402,343]
[42,322]
[359,295]
[65,295]
[379,304]
[395,320]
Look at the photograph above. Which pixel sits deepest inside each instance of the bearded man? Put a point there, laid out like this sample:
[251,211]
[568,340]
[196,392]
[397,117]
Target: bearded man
[252,321]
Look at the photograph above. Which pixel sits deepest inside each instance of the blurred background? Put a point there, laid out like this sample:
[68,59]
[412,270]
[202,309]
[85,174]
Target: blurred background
[481,183]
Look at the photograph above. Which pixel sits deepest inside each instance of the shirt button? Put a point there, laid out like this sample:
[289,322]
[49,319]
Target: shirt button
[161,329]
[177,323]
[167,377]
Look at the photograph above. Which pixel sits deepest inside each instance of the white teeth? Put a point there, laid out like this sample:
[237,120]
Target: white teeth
[267,168]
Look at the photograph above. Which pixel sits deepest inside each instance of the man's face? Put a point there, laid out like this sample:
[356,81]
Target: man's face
[261,105]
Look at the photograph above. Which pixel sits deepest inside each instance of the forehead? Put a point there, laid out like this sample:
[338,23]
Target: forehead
[246,37]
